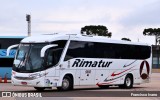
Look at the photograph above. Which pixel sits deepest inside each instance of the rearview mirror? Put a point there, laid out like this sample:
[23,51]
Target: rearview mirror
[43,50]
[11,47]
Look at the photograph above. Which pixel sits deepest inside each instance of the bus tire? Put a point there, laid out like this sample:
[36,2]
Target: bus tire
[104,86]
[39,88]
[128,83]
[67,84]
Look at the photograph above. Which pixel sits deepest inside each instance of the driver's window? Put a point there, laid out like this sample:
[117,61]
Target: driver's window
[53,56]
[49,58]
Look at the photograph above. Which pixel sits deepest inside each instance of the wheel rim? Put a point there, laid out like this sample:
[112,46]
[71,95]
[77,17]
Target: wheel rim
[65,84]
[128,82]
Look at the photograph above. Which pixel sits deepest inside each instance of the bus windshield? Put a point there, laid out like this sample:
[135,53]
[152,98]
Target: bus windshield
[28,58]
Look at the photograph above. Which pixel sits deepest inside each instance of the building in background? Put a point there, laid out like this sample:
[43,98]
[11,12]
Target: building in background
[156,56]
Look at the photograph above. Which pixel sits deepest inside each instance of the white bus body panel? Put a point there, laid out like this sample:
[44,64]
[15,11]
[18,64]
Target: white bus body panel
[114,74]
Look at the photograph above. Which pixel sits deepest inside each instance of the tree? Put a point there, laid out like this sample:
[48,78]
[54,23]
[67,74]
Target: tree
[126,39]
[99,30]
[153,32]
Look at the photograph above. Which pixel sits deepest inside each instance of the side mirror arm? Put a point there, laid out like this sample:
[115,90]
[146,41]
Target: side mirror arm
[10,47]
[43,50]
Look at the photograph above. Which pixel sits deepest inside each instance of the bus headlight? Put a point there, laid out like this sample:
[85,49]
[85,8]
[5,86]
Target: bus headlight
[36,75]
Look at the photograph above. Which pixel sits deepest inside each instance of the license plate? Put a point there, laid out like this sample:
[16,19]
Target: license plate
[24,83]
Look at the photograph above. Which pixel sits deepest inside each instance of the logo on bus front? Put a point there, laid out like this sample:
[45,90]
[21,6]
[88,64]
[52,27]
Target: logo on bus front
[144,75]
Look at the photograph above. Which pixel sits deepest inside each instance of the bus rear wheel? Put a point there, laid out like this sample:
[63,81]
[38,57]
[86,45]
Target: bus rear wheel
[67,84]
[39,88]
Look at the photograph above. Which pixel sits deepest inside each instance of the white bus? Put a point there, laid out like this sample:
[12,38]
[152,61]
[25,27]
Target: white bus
[65,61]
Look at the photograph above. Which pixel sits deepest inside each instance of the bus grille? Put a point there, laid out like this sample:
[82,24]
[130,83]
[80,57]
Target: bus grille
[23,78]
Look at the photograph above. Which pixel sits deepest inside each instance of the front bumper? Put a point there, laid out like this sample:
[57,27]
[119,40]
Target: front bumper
[39,82]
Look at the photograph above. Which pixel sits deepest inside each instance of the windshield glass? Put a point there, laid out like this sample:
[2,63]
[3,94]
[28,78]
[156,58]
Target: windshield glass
[28,58]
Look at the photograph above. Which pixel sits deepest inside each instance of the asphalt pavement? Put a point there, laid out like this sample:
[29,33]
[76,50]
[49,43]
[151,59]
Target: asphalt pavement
[147,91]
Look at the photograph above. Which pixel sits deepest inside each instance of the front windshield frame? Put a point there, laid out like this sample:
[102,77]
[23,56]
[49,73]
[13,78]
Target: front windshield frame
[61,45]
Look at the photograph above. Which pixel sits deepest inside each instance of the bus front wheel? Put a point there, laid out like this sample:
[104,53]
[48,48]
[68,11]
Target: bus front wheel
[128,82]
[67,84]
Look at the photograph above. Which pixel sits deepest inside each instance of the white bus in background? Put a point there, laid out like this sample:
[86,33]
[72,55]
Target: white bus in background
[65,61]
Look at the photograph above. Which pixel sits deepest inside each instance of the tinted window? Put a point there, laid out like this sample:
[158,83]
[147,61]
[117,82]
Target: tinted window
[6,42]
[106,50]
[6,62]
[54,53]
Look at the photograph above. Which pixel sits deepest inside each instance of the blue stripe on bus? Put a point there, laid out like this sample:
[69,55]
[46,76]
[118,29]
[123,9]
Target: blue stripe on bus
[13,37]
[5,57]
[4,71]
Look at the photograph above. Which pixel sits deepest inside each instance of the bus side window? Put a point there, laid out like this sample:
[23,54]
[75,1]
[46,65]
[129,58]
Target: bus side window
[53,56]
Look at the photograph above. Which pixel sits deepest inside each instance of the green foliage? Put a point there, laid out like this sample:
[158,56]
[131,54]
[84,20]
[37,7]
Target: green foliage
[99,30]
[152,32]
[126,39]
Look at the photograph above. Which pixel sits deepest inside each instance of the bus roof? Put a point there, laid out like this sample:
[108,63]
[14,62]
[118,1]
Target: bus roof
[55,37]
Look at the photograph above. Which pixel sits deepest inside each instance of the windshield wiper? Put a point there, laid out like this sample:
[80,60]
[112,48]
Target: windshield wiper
[22,61]
[30,62]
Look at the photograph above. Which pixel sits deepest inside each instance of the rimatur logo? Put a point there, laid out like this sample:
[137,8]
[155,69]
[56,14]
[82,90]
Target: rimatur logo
[142,74]
[86,63]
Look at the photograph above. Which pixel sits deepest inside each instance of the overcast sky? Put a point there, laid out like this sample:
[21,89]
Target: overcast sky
[124,18]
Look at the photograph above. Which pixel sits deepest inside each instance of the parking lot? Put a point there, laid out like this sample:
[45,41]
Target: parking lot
[93,92]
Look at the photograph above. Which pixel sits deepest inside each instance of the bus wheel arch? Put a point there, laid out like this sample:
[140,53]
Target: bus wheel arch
[128,81]
[67,83]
